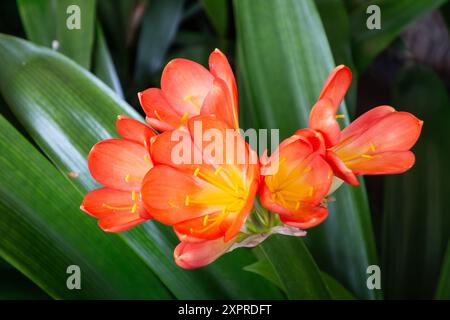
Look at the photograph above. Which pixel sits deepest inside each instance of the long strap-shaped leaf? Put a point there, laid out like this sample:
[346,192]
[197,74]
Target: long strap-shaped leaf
[443,290]
[42,233]
[67,110]
[416,225]
[286,59]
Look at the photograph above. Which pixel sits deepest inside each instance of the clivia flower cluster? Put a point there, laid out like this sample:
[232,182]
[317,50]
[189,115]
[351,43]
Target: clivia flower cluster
[215,206]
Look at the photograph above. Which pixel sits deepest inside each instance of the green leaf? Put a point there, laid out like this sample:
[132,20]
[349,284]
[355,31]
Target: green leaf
[43,231]
[295,268]
[217,11]
[159,27]
[103,66]
[443,290]
[283,66]
[67,110]
[266,270]
[416,226]
[395,17]
[70,23]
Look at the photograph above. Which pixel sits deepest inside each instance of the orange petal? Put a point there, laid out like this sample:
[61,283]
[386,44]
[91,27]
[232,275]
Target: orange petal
[340,169]
[218,102]
[116,210]
[189,255]
[307,216]
[397,131]
[366,120]
[160,114]
[383,163]
[119,164]
[185,85]
[220,68]
[323,119]
[170,194]
[336,86]
[134,130]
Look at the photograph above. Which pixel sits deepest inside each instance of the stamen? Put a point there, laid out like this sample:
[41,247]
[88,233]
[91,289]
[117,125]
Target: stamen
[297,205]
[130,178]
[157,115]
[372,146]
[205,220]
[219,168]
[104,205]
[185,117]
[147,158]
[187,98]
[186,201]
[367,156]
[307,169]
[134,208]
[197,170]
[339,116]
[310,191]
[133,195]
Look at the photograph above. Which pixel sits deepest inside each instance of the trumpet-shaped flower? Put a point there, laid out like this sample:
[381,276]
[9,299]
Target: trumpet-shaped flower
[120,165]
[202,197]
[188,89]
[299,180]
[378,142]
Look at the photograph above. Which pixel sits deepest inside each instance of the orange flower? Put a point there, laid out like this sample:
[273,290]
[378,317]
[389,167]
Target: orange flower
[300,180]
[203,197]
[194,253]
[188,90]
[120,165]
[378,142]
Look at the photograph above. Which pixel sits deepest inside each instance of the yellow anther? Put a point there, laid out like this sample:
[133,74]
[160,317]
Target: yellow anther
[372,146]
[173,205]
[307,169]
[133,195]
[116,208]
[205,220]
[297,205]
[157,115]
[134,208]
[339,116]
[147,158]
[197,170]
[186,201]
[187,98]
[185,117]
[219,168]
[127,178]
[310,191]
[130,178]
[367,156]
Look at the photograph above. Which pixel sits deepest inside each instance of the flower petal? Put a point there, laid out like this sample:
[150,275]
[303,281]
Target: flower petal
[340,169]
[218,102]
[220,68]
[134,130]
[119,164]
[116,210]
[323,119]
[191,255]
[307,216]
[336,86]
[185,85]
[160,114]
[383,163]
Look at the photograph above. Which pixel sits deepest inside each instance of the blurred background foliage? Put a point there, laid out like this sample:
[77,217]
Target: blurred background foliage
[61,90]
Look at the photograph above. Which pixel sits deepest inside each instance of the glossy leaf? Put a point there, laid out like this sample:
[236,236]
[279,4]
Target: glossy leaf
[217,11]
[51,234]
[35,20]
[443,290]
[67,110]
[416,226]
[159,26]
[285,63]
[395,17]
